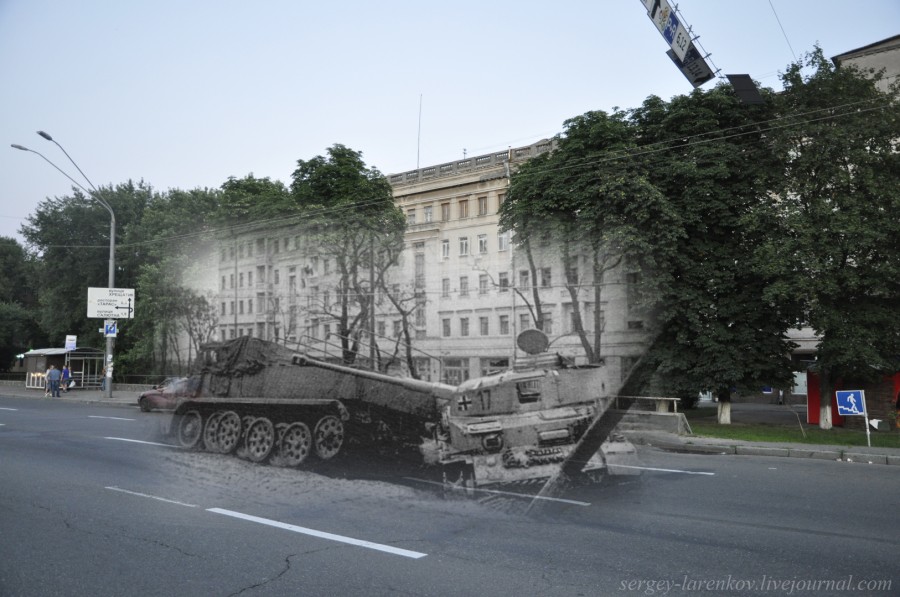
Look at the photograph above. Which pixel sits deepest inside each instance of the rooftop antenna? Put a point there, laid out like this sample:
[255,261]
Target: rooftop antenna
[419,138]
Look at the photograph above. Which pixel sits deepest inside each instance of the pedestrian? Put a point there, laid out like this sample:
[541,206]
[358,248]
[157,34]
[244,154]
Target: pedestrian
[47,382]
[54,375]
[66,378]
[103,379]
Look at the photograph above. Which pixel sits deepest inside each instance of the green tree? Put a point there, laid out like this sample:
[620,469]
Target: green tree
[175,240]
[350,210]
[591,201]
[837,244]
[18,330]
[718,327]
[70,237]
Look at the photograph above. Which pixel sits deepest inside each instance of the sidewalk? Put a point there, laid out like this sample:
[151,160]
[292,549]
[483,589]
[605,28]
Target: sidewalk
[771,414]
[119,397]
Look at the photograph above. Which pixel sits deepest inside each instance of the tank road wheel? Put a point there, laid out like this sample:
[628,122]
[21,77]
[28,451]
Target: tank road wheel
[190,427]
[228,432]
[260,439]
[295,444]
[328,437]
[209,431]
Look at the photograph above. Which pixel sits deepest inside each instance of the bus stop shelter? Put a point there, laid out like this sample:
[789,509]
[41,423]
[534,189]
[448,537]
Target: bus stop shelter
[85,365]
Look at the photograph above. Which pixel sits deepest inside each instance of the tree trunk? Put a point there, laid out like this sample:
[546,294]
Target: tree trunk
[826,389]
[724,413]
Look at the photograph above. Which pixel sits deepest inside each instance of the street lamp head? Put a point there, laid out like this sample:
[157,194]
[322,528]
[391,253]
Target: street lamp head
[15,146]
[45,135]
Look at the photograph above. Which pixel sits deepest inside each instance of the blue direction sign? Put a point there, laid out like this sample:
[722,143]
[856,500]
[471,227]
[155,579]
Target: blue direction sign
[851,402]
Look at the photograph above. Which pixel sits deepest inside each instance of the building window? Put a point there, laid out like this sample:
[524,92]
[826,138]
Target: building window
[277,277]
[241,307]
[463,209]
[503,281]
[275,246]
[524,279]
[241,251]
[445,328]
[410,217]
[463,245]
[482,206]
[249,249]
[381,328]
[326,267]
[250,278]
[231,307]
[445,211]
[503,241]
[500,199]
[222,311]
[396,328]
[635,325]
[249,305]
[463,326]
[464,286]
[548,324]
[546,277]
[241,277]
[483,281]
[484,326]
[572,275]
[222,255]
[524,322]
[445,249]
[455,371]
[504,325]
[482,244]
[419,281]
[445,287]
[223,282]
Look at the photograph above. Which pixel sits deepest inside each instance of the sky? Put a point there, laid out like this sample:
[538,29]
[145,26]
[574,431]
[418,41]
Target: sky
[185,94]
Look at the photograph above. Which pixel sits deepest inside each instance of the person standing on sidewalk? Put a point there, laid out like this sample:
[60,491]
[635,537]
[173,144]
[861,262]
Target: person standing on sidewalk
[66,378]
[53,377]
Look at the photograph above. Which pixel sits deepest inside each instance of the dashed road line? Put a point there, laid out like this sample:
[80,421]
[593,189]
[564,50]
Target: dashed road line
[152,497]
[321,534]
[662,470]
[138,441]
[113,418]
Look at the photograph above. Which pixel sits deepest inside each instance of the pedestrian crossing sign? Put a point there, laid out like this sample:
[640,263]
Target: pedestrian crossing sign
[851,402]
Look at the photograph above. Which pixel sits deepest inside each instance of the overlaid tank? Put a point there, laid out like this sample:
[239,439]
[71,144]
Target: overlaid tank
[266,401]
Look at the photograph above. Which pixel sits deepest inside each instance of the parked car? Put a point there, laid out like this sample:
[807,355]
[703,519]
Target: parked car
[165,395]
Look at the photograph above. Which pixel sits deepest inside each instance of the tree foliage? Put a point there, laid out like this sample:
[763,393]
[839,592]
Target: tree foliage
[350,211]
[589,199]
[718,329]
[836,241]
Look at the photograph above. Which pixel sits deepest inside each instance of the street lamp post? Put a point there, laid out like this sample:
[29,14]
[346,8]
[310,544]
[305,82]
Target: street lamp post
[94,194]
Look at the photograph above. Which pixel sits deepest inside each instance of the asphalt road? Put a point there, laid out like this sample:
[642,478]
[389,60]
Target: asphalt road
[88,508]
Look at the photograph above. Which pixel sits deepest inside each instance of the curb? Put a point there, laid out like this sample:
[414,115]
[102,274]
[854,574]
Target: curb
[781,452]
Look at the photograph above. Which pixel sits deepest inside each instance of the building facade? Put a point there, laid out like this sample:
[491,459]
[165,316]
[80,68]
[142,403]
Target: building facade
[473,291]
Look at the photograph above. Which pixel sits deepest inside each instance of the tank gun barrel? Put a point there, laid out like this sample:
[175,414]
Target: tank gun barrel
[438,390]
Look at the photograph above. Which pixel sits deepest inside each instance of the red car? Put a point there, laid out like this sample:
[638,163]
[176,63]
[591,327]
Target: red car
[166,395]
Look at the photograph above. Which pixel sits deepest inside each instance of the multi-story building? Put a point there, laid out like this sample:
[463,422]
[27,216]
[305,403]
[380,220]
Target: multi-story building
[473,292]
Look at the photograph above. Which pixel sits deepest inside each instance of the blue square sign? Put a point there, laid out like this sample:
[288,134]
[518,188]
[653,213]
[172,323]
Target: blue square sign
[851,402]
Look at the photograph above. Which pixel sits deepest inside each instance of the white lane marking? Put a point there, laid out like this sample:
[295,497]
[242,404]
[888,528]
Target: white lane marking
[137,441]
[662,470]
[4,408]
[152,497]
[521,495]
[113,418]
[321,534]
